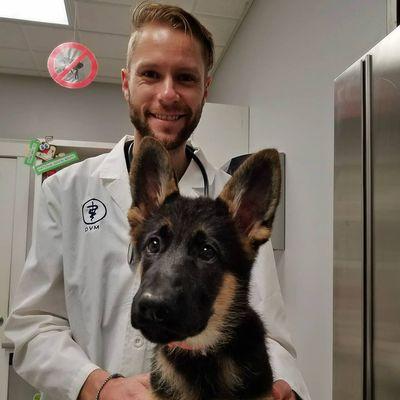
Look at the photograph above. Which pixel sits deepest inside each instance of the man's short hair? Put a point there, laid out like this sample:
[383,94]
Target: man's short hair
[176,18]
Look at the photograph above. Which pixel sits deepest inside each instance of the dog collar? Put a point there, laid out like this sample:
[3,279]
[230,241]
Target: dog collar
[184,346]
[181,345]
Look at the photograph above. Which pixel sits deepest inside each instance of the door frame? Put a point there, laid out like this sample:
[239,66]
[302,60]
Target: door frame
[16,150]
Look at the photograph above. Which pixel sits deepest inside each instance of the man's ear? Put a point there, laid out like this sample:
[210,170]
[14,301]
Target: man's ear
[125,83]
[152,180]
[207,87]
[252,195]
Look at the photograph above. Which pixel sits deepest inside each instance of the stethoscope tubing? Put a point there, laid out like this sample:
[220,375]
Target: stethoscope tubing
[191,151]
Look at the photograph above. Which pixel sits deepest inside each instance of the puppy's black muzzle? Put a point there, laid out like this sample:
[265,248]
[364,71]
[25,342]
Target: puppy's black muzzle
[171,303]
[163,318]
[153,309]
[156,316]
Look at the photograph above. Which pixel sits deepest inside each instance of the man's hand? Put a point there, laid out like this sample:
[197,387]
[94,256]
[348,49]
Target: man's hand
[132,388]
[282,391]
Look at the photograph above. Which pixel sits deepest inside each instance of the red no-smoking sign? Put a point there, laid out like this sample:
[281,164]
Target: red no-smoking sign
[72,65]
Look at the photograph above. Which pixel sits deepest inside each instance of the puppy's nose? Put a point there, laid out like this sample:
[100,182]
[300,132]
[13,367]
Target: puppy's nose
[153,308]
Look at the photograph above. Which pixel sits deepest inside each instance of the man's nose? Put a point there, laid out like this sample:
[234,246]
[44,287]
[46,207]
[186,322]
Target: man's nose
[168,92]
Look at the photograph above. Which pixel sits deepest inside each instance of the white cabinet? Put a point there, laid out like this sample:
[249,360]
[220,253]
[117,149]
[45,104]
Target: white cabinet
[223,132]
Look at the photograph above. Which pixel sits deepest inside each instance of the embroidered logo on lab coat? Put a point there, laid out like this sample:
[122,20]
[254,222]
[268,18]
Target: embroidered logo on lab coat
[93,211]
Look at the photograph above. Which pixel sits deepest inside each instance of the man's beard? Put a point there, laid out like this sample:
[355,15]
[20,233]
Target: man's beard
[142,126]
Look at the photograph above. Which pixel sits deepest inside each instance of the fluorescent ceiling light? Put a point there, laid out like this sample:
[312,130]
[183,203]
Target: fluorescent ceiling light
[50,11]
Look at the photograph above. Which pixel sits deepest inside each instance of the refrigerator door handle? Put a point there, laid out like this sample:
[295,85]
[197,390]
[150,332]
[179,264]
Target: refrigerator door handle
[367,147]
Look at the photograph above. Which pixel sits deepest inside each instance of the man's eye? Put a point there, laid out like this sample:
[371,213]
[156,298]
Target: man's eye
[187,78]
[153,245]
[150,74]
[207,253]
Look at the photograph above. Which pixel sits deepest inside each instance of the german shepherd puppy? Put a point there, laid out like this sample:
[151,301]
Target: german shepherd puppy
[195,257]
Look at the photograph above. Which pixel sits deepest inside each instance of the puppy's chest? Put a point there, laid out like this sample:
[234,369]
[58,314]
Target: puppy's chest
[176,377]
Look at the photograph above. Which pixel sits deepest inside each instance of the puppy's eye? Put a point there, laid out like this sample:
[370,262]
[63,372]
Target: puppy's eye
[207,253]
[153,245]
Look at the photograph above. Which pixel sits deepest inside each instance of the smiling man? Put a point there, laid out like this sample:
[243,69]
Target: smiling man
[165,84]
[70,324]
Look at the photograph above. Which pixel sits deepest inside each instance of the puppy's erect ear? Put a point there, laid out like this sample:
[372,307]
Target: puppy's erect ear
[152,179]
[252,195]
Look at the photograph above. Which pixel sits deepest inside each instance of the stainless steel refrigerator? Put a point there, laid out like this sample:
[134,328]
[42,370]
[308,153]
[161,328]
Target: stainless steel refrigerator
[367,226]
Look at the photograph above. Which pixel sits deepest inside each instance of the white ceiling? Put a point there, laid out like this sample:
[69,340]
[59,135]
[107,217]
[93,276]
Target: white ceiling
[103,26]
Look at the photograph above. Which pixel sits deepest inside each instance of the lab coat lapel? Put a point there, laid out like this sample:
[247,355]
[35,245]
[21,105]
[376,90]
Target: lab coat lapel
[119,191]
[192,182]
[114,175]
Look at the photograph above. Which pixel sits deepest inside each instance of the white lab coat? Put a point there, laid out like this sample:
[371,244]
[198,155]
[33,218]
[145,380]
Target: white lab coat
[72,308]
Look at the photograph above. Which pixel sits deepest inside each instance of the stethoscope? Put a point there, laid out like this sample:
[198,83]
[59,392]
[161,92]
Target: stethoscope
[190,153]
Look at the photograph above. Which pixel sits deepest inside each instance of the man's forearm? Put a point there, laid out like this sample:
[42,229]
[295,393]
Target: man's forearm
[131,388]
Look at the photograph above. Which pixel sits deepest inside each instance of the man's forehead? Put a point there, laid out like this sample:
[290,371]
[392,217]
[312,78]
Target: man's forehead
[152,32]
[162,34]
[159,38]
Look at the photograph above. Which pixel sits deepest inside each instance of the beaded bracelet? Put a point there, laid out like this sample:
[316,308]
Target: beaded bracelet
[112,376]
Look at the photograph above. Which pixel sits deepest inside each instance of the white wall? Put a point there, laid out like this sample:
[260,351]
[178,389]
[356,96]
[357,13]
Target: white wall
[37,107]
[282,63]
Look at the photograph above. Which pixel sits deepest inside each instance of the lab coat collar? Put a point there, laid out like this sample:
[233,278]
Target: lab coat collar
[114,164]
[115,176]
[192,179]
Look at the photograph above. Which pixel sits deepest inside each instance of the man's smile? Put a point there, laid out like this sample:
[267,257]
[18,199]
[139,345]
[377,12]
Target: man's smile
[167,117]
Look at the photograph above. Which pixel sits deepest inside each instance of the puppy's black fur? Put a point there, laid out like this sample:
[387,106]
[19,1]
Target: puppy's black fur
[195,258]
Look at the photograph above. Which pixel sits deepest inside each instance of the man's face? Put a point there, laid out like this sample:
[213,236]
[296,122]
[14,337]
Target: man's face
[166,84]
